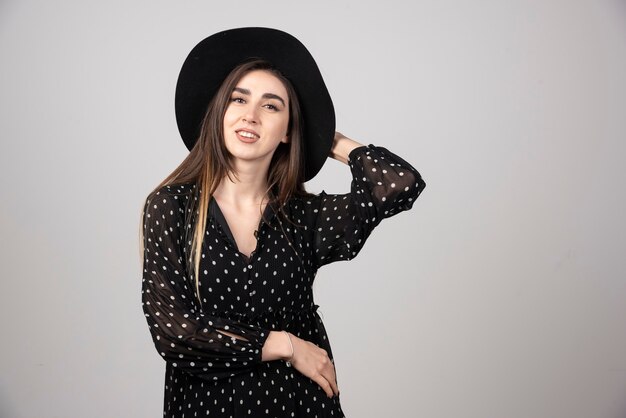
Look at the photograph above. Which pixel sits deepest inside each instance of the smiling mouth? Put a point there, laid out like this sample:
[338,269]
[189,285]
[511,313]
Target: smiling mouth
[247,137]
[247,134]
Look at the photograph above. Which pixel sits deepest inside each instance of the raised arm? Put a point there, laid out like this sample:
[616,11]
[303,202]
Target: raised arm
[383,184]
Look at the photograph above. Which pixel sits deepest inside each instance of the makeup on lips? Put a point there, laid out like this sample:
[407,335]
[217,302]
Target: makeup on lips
[247,135]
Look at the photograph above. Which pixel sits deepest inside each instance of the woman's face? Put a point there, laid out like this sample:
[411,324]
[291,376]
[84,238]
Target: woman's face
[256,117]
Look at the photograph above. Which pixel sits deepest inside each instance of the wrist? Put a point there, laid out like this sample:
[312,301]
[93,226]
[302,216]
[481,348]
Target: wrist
[276,347]
[342,147]
[289,357]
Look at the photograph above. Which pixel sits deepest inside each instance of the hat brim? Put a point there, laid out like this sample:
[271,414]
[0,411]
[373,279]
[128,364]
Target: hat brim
[213,58]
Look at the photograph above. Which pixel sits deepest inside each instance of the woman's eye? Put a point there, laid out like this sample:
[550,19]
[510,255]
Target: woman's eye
[237,100]
[271,107]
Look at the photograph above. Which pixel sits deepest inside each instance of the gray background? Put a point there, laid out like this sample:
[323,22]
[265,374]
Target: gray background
[501,294]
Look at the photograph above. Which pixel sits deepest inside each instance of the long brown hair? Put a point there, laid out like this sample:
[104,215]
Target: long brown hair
[209,161]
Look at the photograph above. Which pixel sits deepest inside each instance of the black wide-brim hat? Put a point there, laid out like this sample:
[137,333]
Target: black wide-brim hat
[213,58]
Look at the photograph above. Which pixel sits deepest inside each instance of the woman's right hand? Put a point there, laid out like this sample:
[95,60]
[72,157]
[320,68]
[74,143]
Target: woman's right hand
[313,362]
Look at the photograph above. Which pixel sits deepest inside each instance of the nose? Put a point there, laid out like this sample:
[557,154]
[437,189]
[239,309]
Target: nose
[249,115]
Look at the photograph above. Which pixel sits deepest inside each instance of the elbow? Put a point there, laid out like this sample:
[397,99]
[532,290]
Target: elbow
[420,185]
[415,187]
[163,343]
[404,197]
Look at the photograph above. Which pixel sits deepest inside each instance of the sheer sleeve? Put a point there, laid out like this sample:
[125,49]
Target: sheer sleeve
[383,184]
[182,334]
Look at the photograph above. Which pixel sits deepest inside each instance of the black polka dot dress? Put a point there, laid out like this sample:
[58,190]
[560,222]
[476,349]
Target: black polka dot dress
[210,374]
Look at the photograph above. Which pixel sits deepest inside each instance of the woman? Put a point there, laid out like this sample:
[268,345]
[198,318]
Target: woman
[232,240]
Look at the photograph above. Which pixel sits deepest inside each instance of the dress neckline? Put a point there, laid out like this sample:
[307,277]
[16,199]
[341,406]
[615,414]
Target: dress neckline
[216,212]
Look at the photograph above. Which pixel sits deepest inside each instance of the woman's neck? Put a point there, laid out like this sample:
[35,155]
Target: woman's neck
[249,189]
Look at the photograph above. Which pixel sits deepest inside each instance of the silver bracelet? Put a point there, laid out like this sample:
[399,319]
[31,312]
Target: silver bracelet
[288,362]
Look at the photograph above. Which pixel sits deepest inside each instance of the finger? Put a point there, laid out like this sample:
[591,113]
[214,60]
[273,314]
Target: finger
[323,383]
[328,369]
[331,377]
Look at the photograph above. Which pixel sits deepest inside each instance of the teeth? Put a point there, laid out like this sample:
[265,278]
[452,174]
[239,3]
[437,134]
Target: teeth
[247,134]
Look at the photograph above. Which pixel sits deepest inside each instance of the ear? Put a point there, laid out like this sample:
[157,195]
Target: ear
[285,139]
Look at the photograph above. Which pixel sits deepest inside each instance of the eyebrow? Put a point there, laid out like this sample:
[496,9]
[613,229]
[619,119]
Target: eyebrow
[265,95]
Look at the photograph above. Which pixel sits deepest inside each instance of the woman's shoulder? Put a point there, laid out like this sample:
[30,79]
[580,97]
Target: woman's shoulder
[176,189]
[172,192]
[303,196]
[305,201]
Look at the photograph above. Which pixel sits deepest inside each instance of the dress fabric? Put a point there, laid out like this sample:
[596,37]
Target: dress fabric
[208,373]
